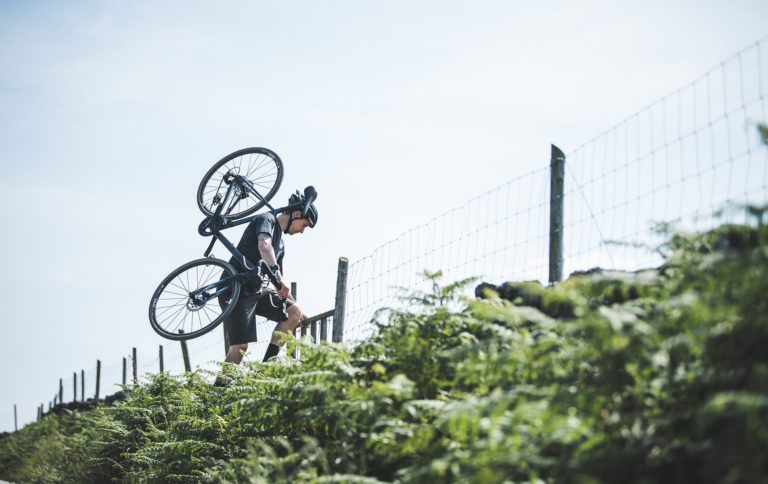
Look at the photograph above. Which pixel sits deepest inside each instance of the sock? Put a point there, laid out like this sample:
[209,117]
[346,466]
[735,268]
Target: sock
[272,351]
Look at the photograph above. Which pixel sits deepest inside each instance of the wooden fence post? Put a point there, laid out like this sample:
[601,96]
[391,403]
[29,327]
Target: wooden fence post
[296,332]
[125,370]
[15,419]
[82,385]
[185,354]
[341,298]
[135,368]
[98,379]
[556,195]
[61,390]
[324,329]
[160,357]
[74,386]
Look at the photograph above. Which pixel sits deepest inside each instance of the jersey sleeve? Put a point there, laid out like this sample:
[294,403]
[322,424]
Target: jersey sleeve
[265,224]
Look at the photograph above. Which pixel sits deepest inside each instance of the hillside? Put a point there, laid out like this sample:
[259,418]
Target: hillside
[655,376]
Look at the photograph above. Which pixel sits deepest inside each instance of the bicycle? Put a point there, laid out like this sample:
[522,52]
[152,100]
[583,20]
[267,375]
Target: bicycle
[208,288]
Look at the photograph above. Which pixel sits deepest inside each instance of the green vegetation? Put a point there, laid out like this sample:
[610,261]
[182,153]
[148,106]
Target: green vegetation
[656,376]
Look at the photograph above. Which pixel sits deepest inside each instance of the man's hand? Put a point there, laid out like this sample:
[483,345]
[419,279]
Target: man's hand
[285,292]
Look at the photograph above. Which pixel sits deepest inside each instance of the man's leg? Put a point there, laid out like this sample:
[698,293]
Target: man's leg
[240,326]
[287,326]
[235,353]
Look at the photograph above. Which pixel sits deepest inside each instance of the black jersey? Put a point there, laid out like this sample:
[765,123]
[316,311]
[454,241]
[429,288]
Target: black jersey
[265,223]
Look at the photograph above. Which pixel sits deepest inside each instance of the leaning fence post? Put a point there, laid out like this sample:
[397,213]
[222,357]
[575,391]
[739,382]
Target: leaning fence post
[185,354]
[160,357]
[135,368]
[556,195]
[341,298]
[98,379]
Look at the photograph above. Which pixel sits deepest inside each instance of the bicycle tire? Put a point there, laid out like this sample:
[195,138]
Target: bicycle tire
[263,168]
[171,303]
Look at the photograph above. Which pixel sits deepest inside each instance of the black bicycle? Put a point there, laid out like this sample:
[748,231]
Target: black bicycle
[199,295]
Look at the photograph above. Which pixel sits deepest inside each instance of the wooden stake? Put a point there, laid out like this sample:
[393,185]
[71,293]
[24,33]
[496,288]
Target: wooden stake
[98,379]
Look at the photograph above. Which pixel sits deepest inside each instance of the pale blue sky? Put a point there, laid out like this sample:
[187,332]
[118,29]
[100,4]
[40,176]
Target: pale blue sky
[110,112]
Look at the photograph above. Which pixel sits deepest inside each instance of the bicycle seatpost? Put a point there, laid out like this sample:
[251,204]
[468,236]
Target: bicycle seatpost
[310,195]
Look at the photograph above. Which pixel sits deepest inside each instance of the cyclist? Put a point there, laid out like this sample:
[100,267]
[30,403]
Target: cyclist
[263,240]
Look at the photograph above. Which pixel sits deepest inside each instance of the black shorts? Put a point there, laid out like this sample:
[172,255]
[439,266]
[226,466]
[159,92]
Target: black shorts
[241,323]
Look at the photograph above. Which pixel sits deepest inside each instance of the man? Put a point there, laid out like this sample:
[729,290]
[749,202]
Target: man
[263,240]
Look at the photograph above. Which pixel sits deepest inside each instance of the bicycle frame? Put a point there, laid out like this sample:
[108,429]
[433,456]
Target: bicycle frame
[213,225]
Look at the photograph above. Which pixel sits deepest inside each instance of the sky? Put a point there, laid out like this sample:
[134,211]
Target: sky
[112,111]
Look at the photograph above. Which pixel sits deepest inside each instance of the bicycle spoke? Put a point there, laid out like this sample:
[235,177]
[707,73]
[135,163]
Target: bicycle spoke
[180,323]
[266,161]
[173,316]
[205,308]
[250,163]
[251,169]
[169,310]
[208,277]
[180,287]
[164,307]
[265,175]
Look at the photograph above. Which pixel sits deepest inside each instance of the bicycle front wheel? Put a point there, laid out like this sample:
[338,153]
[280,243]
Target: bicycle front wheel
[186,304]
[260,166]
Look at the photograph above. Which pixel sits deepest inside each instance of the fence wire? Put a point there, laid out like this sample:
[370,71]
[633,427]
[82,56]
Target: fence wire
[501,233]
[680,160]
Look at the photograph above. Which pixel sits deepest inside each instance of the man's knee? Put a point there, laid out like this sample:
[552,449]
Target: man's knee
[294,312]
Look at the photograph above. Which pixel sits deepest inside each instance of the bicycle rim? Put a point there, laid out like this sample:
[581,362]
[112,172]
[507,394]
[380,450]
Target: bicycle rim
[260,166]
[176,314]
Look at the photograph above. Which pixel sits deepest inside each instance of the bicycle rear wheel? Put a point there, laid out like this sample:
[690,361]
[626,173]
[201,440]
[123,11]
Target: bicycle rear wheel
[260,166]
[188,299]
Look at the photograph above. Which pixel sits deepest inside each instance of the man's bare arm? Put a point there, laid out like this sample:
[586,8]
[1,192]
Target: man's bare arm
[268,255]
[266,250]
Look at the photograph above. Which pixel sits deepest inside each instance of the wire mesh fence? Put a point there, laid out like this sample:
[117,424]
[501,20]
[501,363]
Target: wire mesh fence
[681,160]
[500,233]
